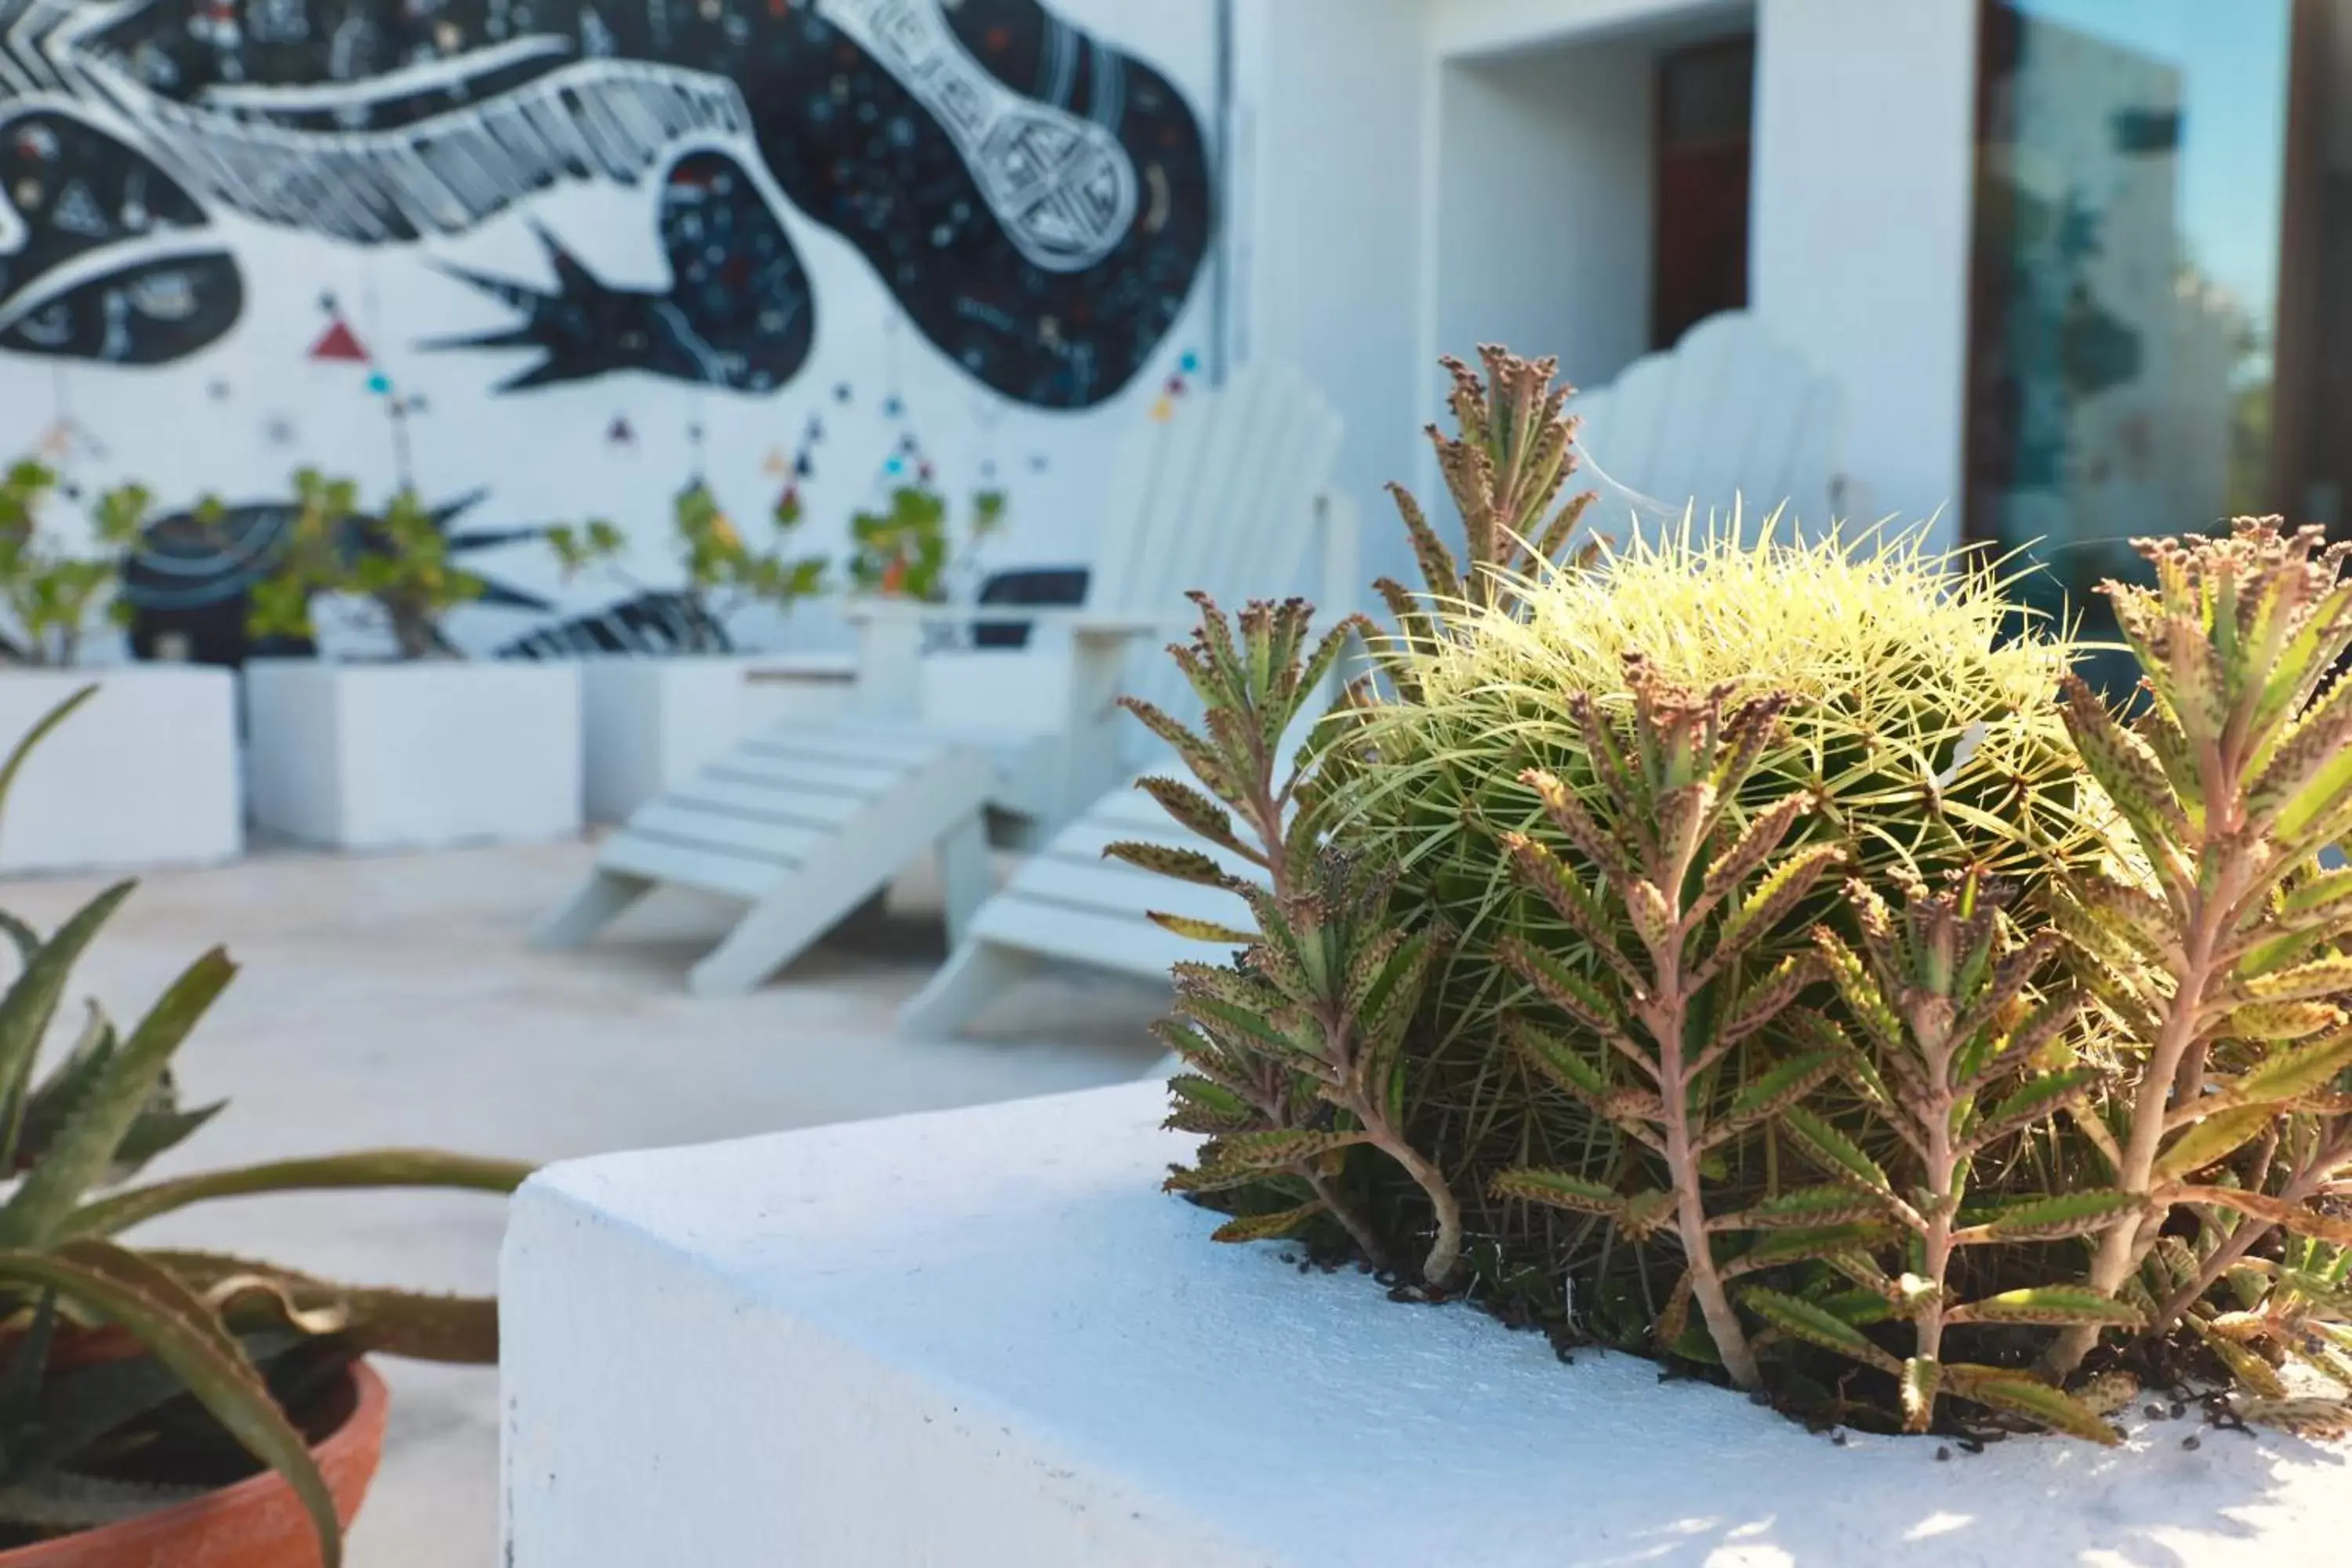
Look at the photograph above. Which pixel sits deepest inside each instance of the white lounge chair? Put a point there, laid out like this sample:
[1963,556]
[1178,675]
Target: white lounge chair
[1728,413]
[951,751]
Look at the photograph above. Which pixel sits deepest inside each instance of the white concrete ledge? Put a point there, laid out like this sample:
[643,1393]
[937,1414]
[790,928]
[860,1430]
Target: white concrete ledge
[984,1338]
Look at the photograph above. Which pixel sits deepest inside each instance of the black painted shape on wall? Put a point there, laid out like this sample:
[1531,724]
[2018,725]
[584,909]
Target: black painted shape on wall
[142,282]
[1038,203]
[738,312]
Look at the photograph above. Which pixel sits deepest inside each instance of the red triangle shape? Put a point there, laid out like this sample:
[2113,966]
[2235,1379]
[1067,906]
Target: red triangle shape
[339,343]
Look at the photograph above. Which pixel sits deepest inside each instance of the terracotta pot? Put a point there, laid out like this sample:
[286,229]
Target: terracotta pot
[257,1523]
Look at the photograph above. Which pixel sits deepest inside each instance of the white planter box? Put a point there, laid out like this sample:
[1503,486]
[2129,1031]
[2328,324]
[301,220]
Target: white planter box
[649,723]
[380,756]
[984,1340]
[143,774]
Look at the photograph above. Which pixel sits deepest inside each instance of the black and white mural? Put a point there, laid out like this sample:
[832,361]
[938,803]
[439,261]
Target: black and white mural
[582,253]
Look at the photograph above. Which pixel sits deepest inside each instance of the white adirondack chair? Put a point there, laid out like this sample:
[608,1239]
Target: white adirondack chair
[807,823]
[1728,417]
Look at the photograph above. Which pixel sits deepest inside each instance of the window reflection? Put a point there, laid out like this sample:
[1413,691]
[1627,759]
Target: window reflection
[2130,177]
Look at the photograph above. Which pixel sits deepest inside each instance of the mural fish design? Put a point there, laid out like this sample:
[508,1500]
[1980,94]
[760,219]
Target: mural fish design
[1037,201]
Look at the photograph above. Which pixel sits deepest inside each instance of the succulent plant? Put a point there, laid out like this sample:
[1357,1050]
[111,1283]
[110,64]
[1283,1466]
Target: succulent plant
[1293,1047]
[47,594]
[2217,950]
[99,1338]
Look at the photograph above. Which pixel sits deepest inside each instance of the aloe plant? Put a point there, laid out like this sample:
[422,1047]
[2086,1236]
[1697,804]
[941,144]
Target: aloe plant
[75,1138]
[2218,954]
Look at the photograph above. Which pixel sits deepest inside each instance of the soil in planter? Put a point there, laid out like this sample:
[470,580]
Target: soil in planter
[179,1445]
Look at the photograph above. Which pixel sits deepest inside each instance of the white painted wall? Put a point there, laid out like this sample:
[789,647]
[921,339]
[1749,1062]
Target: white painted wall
[1544,205]
[1330,108]
[1865,128]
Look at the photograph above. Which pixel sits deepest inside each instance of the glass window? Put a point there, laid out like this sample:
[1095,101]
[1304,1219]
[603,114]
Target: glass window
[2131,170]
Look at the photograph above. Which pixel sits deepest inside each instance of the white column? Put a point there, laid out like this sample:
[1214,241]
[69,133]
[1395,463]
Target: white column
[1866,133]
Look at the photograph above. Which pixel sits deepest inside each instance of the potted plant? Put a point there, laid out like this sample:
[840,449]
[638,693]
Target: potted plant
[904,555]
[1775,959]
[653,715]
[421,749]
[149,775]
[168,1406]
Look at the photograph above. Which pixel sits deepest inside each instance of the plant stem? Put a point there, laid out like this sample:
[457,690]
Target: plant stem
[1358,1229]
[2299,1188]
[2123,1245]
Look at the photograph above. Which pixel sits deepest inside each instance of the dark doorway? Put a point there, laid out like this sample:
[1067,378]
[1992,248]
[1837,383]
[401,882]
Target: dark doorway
[1706,98]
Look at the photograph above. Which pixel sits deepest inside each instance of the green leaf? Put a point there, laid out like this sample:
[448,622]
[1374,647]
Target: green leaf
[456,1331]
[32,1001]
[41,1207]
[361,1168]
[1192,930]
[1192,810]
[2020,1395]
[1838,1203]
[1804,1321]
[1783,1087]
[2055,1218]
[1279,1149]
[1834,1242]
[2291,1074]
[1267,1226]
[2057,1306]
[32,738]
[2316,981]
[1761,912]
[1561,986]
[2215,1138]
[176,1327]
[1560,1190]
[1831,1150]
[2038,1100]
[1167,860]
[1557,1060]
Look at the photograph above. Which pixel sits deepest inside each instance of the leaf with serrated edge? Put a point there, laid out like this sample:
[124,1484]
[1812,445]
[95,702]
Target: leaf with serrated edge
[1802,1320]
[1558,1189]
[2019,1394]
[2055,1218]
[1267,1226]
[2215,1138]
[1837,1153]
[177,1328]
[2058,1306]
[1192,930]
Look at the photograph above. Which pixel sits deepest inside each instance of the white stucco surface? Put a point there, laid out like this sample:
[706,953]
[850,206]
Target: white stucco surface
[143,773]
[983,1338]
[417,756]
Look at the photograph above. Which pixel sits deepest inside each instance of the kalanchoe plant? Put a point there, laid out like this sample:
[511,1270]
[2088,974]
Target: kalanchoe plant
[2220,957]
[1504,467]
[1958,1062]
[1292,1049]
[100,1337]
[49,594]
[1697,892]
[725,574]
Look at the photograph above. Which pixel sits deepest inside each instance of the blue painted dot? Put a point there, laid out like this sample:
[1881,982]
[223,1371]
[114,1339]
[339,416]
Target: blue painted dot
[1191,364]
[895,467]
[379,383]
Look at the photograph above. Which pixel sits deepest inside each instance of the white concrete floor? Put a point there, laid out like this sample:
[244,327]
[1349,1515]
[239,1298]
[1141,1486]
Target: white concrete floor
[392,1001]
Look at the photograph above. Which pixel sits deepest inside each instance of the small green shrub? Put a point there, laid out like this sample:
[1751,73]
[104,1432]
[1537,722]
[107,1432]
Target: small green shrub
[909,552]
[2055,1073]
[47,594]
[399,565]
[724,572]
